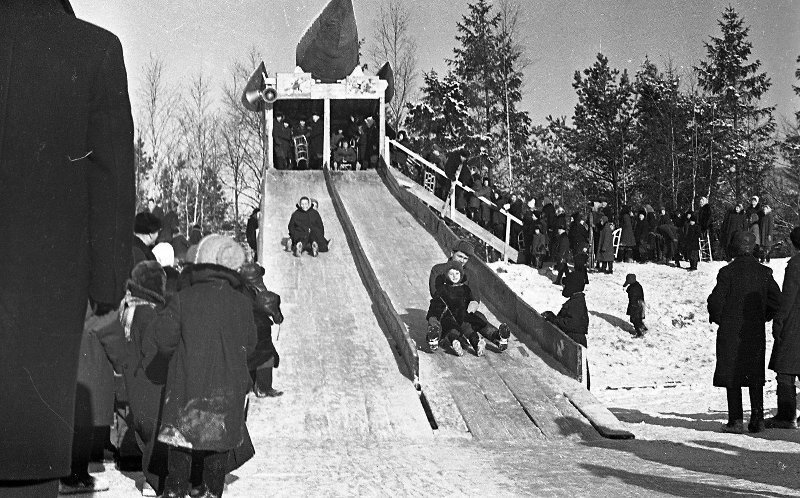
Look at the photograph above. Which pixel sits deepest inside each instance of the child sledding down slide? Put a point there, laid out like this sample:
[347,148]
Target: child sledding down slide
[452,311]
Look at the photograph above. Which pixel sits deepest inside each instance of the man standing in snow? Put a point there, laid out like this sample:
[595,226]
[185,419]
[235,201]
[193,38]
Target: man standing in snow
[745,297]
[785,359]
[68,202]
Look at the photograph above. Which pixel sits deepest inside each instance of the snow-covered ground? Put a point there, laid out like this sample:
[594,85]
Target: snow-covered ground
[673,364]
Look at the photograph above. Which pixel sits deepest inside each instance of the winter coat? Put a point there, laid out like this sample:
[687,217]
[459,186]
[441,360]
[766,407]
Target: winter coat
[605,247]
[561,249]
[635,301]
[627,238]
[669,231]
[484,191]
[766,224]
[704,218]
[169,227]
[753,223]
[345,155]
[94,403]
[549,216]
[67,203]
[282,138]
[209,331]
[266,311]
[560,221]
[315,138]
[539,243]
[573,318]
[691,238]
[733,223]
[744,298]
[304,225]
[578,236]
[449,305]
[786,324]
[141,251]
[251,232]
[641,231]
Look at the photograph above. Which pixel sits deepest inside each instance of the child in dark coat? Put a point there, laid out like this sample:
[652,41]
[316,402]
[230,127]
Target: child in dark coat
[573,318]
[452,310]
[208,331]
[635,304]
[691,241]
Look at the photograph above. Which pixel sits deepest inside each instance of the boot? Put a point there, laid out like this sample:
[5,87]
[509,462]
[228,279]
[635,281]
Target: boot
[756,420]
[787,409]
[734,427]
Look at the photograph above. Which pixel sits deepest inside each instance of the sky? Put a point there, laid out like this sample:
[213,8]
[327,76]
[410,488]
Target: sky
[560,37]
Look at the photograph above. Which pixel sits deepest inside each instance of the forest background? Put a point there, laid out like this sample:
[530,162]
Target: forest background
[662,135]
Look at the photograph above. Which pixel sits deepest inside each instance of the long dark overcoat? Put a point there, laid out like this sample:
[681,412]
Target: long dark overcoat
[745,297]
[66,218]
[627,237]
[208,328]
[605,246]
[786,324]
[573,318]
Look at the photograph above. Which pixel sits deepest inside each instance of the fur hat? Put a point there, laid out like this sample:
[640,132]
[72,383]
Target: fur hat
[146,223]
[150,275]
[794,236]
[220,250]
[574,282]
[164,254]
[755,197]
[743,242]
[630,278]
[466,247]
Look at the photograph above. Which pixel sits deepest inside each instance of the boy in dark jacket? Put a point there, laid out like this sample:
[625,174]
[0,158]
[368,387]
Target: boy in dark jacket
[635,304]
[306,231]
[561,254]
[208,331]
[452,310]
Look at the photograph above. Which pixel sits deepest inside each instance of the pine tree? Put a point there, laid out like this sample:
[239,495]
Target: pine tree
[735,86]
[443,112]
[602,137]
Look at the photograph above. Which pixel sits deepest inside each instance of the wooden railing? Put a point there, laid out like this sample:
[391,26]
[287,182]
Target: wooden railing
[430,170]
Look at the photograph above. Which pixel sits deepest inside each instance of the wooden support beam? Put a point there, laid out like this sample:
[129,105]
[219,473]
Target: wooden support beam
[326,129]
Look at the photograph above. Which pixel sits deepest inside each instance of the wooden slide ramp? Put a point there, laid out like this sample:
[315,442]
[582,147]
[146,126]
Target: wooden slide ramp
[501,396]
[338,371]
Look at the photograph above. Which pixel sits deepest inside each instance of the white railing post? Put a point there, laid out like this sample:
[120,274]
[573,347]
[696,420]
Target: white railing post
[508,235]
[452,200]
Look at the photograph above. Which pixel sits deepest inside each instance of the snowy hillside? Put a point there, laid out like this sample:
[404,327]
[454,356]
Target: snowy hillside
[678,350]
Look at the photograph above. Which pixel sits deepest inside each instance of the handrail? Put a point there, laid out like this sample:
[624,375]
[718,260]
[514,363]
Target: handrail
[441,172]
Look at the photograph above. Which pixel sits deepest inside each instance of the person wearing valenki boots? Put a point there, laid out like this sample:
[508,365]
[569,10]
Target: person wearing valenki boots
[266,311]
[208,331]
[785,359]
[635,304]
[745,297]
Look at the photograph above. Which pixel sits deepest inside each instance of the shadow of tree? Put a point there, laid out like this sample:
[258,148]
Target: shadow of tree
[615,321]
[697,421]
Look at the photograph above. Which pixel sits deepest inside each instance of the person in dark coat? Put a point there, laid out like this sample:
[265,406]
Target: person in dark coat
[266,312]
[785,358]
[549,218]
[145,233]
[304,229]
[573,318]
[451,313]
[368,143]
[765,227]
[636,305]
[605,246]
[734,221]
[461,253]
[498,215]
[745,297]
[578,233]
[561,254]
[516,209]
[318,227]
[641,233]
[208,331]
[691,242]
[484,218]
[455,164]
[144,372]
[316,138]
[251,232]
[169,223]
[67,198]
[282,142]
[627,239]
[538,247]
[669,237]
